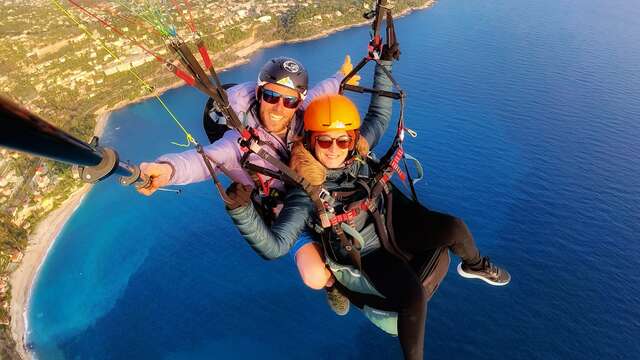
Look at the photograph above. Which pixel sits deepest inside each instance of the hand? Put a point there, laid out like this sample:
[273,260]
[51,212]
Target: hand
[346,68]
[391,53]
[239,195]
[159,175]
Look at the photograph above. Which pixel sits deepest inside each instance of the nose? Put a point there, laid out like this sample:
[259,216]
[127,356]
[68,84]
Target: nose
[334,147]
[279,106]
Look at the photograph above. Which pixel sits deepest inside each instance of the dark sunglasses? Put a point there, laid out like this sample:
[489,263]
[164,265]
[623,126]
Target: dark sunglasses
[272,97]
[325,141]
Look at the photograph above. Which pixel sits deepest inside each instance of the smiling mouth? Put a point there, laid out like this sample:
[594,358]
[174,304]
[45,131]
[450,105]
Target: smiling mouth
[276,117]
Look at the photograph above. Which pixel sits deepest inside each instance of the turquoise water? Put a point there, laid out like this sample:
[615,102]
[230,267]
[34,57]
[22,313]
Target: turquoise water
[527,114]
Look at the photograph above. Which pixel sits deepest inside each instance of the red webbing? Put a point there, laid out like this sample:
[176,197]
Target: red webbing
[184,76]
[205,56]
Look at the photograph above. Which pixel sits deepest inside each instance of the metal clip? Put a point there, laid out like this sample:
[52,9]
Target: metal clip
[411,132]
[326,197]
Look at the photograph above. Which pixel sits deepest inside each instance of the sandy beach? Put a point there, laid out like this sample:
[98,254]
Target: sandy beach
[40,241]
[45,233]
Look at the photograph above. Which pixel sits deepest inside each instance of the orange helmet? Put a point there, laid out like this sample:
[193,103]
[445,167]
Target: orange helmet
[331,112]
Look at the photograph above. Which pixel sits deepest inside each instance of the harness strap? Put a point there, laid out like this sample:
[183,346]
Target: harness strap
[347,245]
[396,250]
[207,162]
[351,231]
[351,214]
[323,202]
[265,184]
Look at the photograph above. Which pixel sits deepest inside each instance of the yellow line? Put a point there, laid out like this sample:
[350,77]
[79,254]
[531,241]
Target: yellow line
[146,86]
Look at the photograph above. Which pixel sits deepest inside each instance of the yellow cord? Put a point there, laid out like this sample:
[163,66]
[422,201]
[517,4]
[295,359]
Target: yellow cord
[189,138]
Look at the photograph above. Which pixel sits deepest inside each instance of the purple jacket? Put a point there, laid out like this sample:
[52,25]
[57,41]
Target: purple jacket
[190,168]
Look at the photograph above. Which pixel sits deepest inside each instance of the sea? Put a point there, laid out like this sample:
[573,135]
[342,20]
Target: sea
[528,120]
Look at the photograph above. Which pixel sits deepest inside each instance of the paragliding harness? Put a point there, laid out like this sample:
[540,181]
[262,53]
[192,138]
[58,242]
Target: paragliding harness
[267,199]
[249,142]
[375,197]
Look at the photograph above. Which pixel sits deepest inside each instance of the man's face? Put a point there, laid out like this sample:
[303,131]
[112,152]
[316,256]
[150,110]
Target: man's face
[276,117]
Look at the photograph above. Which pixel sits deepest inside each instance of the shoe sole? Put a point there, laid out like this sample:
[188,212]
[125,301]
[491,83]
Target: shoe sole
[340,313]
[474,276]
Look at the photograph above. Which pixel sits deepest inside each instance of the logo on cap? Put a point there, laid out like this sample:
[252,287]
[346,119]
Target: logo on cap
[291,66]
[286,82]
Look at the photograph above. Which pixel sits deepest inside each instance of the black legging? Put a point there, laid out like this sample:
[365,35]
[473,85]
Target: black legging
[397,281]
[418,231]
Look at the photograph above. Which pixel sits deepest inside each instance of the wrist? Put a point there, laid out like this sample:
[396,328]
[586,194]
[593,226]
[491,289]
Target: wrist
[171,167]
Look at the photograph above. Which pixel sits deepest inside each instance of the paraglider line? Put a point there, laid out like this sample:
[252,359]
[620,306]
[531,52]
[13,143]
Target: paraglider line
[146,86]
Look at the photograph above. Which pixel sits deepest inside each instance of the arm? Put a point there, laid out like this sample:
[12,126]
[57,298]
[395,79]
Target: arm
[327,86]
[242,96]
[275,242]
[378,115]
[188,166]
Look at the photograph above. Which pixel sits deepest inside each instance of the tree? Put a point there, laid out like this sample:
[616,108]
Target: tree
[12,237]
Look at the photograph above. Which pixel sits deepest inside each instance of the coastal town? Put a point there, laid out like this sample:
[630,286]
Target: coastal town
[56,64]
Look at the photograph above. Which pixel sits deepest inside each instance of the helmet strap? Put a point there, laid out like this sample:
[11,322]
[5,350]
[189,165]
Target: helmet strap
[259,92]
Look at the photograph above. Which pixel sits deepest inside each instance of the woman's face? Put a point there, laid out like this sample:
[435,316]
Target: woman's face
[332,147]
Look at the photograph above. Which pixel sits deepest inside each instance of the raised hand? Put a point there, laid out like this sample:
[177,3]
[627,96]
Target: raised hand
[346,68]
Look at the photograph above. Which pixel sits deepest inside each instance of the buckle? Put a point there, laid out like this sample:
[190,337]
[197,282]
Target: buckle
[326,197]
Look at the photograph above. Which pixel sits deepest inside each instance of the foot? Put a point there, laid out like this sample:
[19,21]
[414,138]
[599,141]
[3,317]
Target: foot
[485,271]
[337,301]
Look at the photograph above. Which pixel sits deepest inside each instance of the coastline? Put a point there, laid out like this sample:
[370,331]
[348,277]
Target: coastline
[46,232]
[103,114]
[23,278]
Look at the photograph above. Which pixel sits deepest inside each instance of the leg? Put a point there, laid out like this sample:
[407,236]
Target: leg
[315,275]
[419,229]
[311,267]
[473,266]
[454,233]
[399,284]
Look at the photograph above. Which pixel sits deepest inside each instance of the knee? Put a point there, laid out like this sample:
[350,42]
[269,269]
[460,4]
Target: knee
[315,277]
[417,295]
[459,229]
[311,266]
[413,296]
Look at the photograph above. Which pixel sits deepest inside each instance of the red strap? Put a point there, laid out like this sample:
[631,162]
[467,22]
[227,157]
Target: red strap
[347,216]
[393,165]
[264,184]
[401,173]
[205,56]
[246,135]
[351,214]
[184,76]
